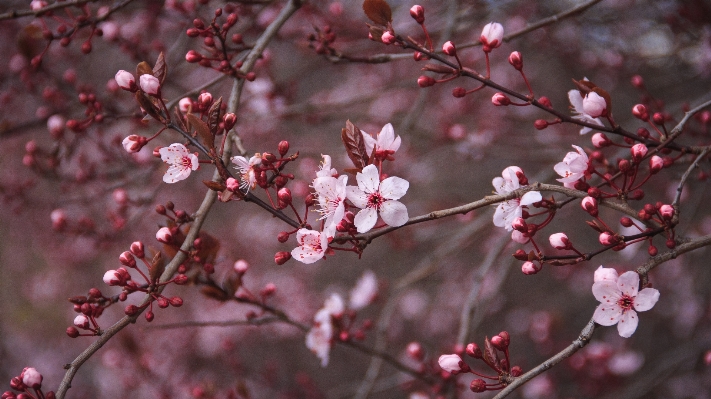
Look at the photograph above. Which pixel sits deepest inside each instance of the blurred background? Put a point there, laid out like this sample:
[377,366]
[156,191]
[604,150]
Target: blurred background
[452,149]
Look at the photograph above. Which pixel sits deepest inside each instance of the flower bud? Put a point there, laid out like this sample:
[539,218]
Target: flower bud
[560,240]
[516,60]
[283,147]
[605,274]
[425,81]
[600,140]
[459,92]
[125,80]
[387,37]
[594,105]
[55,125]
[667,212]
[520,254]
[31,377]
[180,279]
[449,49]
[589,204]
[640,112]
[150,84]
[284,194]
[652,250]
[520,237]
[658,118]
[281,257]
[127,259]
[112,277]
[491,36]
[529,268]
[185,104]
[193,56]
[417,13]
[500,99]
[477,385]
[450,363]
[638,152]
[164,235]
[472,350]
[241,266]
[150,316]
[59,219]
[637,81]
[656,163]
[540,124]
[134,143]
[636,195]
[414,350]
[516,371]
[624,165]
[626,222]
[607,238]
[81,321]
[176,301]
[229,120]
[137,249]
[72,332]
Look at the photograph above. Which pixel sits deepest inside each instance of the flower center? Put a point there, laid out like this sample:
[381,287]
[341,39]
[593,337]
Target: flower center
[375,200]
[186,162]
[625,302]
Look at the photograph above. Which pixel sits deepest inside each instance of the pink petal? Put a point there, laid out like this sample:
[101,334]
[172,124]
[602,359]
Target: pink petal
[628,283]
[394,213]
[386,137]
[606,291]
[368,179]
[628,324]
[394,187]
[606,315]
[576,100]
[365,219]
[646,299]
[357,197]
[369,142]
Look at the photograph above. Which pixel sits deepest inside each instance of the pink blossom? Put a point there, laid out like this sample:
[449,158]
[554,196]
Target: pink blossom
[589,204]
[638,151]
[320,336]
[81,321]
[450,363]
[331,194]
[36,5]
[667,211]
[491,36]
[508,211]
[181,162]
[385,145]
[576,101]
[656,163]
[185,104]
[312,246]
[519,237]
[605,274]
[164,235]
[365,291]
[594,105]
[31,377]
[149,84]
[374,197]
[125,80]
[559,241]
[248,175]
[620,301]
[573,167]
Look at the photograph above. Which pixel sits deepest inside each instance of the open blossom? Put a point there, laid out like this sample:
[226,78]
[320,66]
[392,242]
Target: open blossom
[573,167]
[576,101]
[331,193]
[385,145]
[319,338]
[181,162]
[248,176]
[620,301]
[365,291]
[374,197]
[325,168]
[508,211]
[312,245]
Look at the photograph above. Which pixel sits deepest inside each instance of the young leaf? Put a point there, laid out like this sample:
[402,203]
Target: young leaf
[214,186]
[355,145]
[160,69]
[143,68]
[213,115]
[378,11]
[202,129]
[157,267]
[147,104]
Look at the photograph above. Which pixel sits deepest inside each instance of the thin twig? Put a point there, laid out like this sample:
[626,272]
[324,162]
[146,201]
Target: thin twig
[686,175]
[228,323]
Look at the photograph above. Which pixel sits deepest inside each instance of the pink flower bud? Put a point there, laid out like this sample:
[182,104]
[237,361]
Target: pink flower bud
[658,118]
[425,81]
[656,163]
[450,363]
[589,204]
[55,125]
[268,290]
[31,377]
[164,235]
[36,5]
[387,37]
[134,143]
[137,249]
[559,241]
[529,268]
[640,112]
[59,219]
[241,266]
[605,274]
[491,36]
[281,257]
[185,104]
[637,81]
[607,238]
[477,385]
[81,321]
[126,258]
[520,225]
[120,196]
[284,194]
[193,56]
[667,212]
[459,92]
[204,100]
[638,152]
[600,140]
[117,277]
[418,14]
[232,184]
[229,120]
[498,342]
[594,105]
[125,80]
[150,84]
[516,60]
[540,124]
[520,237]
[500,99]
[414,350]
[473,350]
[449,49]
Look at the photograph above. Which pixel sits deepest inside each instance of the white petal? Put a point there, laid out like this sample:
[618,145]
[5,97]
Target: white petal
[606,292]
[306,255]
[499,183]
[357,196]
[240,161]
[386,136]
[326,187]
[531,197]
[395,144]
[646,299]
[365,219]
[606,315]
[369,179]
[369,142]
[628,324]
[576,100]
[194,161]
[176,173]
[394,187]
[499,216]
[394,213]
[628,283]
[562,169]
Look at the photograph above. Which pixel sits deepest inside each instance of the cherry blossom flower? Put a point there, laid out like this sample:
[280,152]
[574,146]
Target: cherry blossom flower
[325,169]
[181,162]
[312,245]
[248,178]
[491,36]
[508,211]
[365,291]
[385,145]
[573,167]
[31,377]
[620,301]
[576,101]
[374,197]
[594,105]
[331,193]
[319,338]
[450,363]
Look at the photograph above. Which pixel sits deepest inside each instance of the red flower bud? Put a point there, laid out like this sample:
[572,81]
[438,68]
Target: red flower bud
[667,212]
[656,163]
[283,147]
[425,81]
[640,112]
[500,99]
[281,257]
[540,124]
[477,385]
[516,60]
[638,152]
[449,49]
[127,259]
[417,12]
[459,92]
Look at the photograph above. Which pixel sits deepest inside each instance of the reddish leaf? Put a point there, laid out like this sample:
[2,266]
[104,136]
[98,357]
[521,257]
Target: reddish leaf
[213,115]
[143,68]
[215,293]
[214,186]
[202,130]
[378,11]
[160,69]
[355,145]
[148,105]
[157,267]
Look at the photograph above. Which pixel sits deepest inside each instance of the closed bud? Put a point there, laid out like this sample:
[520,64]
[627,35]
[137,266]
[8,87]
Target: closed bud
[529,268]
[594,105]
[667,212]
[130,310]
[229,120]
[449,49]
[652,250]
[560,241]
[417,13]
[626,222]
[283,237]
[450,363]
[180,279]
[241,266]
[387,38]
[545,101]
[137,249]
[656,163]
[149,316]
[31,377]
[520,254]
[459,92]
[491,36]
[506,337]
[516,60]
[472,350]
[671,244]
[72,332]
[498,343]
[281,257]
[164,235]
[176,301]
[624,165]
[636,195]
[414,350]
[127,259]
[640,112]
[589,204]
[637,81]
[500,99]
[125,80]
[477,385]
[607,238]
[81,321]
[283,147]
[425,81]
[149,84]
[638,152]
[204,100]
[268,290]
[658,118]
[516,371]
[540,124]
[600,140]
